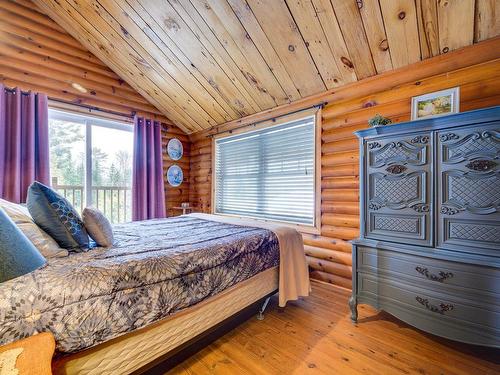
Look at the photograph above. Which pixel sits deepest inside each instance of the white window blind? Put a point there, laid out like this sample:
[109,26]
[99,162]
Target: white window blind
[268,173]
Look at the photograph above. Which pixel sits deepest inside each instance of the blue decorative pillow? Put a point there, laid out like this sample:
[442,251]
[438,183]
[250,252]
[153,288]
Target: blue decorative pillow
[56,216]
[18,256]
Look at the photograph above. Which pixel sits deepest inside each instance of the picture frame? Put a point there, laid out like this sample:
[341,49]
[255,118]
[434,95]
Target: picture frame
[175,175]
[435,104]
[175,149]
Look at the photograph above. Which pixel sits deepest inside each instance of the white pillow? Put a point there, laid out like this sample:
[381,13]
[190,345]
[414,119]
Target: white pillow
[40,239]
[98,226]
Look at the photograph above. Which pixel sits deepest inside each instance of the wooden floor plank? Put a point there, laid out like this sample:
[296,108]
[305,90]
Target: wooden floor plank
[315,336]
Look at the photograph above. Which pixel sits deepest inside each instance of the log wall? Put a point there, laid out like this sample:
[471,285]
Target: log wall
[329,254]
[37,54]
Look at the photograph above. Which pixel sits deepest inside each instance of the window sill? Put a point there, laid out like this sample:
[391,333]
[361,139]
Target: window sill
[301,228]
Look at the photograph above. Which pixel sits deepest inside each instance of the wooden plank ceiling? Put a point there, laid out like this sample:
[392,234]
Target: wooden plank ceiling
[207,62]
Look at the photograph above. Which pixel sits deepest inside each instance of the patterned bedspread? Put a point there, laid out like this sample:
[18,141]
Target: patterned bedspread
[157,267]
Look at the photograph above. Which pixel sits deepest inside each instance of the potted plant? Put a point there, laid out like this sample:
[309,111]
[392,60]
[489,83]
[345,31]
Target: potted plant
[379,120]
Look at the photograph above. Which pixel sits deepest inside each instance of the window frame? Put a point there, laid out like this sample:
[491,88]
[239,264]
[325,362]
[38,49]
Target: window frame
[88,120]
[315,228]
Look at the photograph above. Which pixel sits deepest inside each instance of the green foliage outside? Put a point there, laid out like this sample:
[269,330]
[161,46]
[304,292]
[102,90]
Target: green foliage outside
[67,164]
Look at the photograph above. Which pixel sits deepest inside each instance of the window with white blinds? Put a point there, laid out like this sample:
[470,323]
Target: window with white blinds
[268,173]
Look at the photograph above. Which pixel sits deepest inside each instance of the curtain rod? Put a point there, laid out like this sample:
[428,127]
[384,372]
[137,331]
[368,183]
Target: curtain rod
[93,108]
[320,105]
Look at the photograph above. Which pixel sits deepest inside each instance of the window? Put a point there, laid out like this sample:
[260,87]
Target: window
[268,173]
[91,162]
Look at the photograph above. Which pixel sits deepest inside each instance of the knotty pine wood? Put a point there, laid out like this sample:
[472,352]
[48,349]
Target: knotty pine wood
[37,54]
[315,336]
[329,254]
[206,62]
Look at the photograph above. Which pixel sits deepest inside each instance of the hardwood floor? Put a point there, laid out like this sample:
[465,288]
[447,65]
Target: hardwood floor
[315,336]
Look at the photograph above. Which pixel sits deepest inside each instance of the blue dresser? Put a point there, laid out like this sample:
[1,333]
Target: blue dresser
[429,246]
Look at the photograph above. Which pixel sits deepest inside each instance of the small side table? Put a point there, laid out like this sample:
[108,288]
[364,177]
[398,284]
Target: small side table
[29,356]
[185,210]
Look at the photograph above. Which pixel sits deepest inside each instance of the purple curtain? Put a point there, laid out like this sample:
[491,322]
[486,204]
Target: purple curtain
[24,142]
[148,197]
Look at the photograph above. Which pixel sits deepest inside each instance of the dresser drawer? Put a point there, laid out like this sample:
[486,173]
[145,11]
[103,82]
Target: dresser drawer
[429,304]
[457,278]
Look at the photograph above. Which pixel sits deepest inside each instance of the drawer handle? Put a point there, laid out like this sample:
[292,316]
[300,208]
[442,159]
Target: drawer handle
[441,309]
[442,276]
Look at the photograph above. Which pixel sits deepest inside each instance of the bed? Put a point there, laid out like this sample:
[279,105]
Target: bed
[164,282]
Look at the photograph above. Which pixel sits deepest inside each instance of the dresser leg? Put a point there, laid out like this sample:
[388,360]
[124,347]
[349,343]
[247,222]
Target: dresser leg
[354,309]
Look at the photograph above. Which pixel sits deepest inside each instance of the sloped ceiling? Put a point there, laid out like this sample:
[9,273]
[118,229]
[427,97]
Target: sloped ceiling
[206,62]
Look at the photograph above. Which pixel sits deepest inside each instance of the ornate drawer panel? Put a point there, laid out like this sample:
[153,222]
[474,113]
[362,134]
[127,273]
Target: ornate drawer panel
[399,188]
[470,317]
[412,227]
[460,279]
[468,178]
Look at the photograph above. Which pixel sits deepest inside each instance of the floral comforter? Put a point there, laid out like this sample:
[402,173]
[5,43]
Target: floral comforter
[156,268]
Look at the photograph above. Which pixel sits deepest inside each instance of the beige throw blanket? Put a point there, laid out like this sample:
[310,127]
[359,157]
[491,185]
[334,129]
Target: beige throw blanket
[294,274]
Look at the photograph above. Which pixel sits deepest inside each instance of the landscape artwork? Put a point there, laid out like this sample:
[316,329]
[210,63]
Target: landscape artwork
[439,103]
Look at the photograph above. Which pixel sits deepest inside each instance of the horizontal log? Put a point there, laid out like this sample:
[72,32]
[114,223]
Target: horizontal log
[467,77]
[337,220]
[343,282]
[339,232]
[341,208]
[328,254]
[38,39]
[326,242]
[363,115]
[20,23]
[340,183]
[348,144]
[340,195]
[66,87]
[25,8]
[340,158]
[329,267]
[67,97]
[342,170]
[333,135]
[201,165]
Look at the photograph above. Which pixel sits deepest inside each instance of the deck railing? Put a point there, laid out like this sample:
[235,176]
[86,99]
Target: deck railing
[114,201]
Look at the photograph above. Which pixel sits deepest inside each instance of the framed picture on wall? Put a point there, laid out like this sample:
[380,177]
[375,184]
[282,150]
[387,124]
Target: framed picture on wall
[434,104]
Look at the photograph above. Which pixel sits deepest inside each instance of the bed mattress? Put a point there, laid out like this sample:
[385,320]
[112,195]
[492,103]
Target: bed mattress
[156,268]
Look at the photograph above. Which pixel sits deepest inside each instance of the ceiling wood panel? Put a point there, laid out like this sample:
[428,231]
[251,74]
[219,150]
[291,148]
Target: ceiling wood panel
[400,17]
[331,28]
[349,18]
[487,21]
[283,33]
[207,62]
[375,33]
[428,33]
[456,27]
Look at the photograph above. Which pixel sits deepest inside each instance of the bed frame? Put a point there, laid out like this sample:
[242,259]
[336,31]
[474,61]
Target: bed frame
[149,347]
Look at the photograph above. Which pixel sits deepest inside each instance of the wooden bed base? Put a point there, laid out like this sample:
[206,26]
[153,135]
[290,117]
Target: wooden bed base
[155,346]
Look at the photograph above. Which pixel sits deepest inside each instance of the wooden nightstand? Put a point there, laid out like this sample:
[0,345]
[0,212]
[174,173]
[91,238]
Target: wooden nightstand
[29,356]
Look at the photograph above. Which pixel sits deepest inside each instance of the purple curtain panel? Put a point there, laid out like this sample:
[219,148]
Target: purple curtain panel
[24,142]
[148,197]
